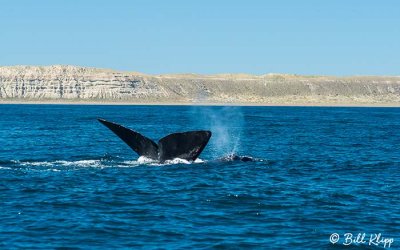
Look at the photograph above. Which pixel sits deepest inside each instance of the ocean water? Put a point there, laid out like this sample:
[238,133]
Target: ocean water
[67,182]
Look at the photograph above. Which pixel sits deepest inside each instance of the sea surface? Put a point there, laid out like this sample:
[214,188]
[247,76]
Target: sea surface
[67,182]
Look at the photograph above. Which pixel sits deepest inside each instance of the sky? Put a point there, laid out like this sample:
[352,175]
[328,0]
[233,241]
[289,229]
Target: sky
[312,37]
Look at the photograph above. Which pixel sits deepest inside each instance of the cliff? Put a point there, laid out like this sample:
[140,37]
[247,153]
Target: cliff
[80,84]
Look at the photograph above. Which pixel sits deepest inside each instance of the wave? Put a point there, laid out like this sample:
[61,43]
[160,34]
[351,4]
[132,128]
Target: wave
[111,161]
[91,163]
[148,161]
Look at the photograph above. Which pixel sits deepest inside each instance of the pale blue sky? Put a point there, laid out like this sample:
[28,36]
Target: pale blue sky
[341,37]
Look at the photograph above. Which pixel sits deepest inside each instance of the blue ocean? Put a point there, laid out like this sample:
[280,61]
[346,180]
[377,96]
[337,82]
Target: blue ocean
[319,177]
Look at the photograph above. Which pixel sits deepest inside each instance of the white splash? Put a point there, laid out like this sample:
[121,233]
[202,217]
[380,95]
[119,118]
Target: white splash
[56,165]
[177,161]
[81,163]
[144,160]
[61,163]
[198,160]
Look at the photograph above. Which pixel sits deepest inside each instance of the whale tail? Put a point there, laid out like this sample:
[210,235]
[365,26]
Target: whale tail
[186,145]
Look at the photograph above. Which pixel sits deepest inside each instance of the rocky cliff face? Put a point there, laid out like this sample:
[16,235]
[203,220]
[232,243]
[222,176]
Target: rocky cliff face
[70,83]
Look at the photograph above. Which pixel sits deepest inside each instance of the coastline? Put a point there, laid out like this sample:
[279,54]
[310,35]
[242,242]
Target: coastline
[75,85]
[166,103]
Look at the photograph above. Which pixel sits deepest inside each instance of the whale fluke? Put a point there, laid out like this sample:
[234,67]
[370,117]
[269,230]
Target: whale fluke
[186,145]
[142,145]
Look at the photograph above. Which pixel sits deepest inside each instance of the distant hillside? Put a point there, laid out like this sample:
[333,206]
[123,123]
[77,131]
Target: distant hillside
[79,84]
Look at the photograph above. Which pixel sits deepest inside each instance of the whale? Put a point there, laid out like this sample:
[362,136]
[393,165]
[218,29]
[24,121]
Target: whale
[235,157]
[184,145]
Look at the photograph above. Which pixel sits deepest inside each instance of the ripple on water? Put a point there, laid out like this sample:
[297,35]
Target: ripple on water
[67,182]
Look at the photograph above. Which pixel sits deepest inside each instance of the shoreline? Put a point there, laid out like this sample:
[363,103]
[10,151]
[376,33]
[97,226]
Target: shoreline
[110,103]
[74,85]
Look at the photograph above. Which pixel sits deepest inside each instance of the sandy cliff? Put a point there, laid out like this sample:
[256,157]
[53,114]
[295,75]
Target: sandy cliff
[70,83]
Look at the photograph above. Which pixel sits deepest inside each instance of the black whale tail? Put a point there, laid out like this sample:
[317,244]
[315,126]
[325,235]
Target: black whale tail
[186,145]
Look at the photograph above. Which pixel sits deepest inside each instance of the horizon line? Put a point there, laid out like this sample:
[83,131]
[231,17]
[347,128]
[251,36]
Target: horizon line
[191,73]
